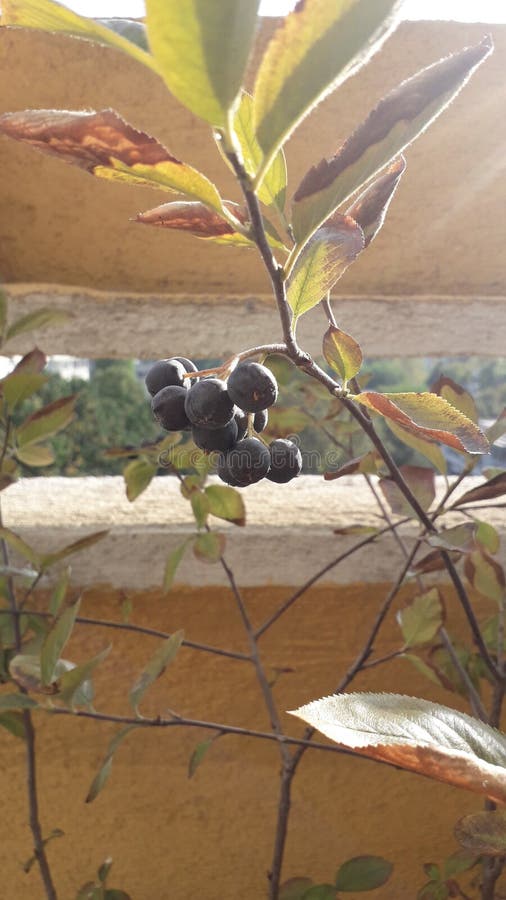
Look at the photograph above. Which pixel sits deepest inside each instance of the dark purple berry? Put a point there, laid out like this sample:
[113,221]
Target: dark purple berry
[187,364]
[286,461]
[168,407]
[164,373]
[248,462]
[241,420]
[217,438]
[260,420]
[252,386]
[208,403]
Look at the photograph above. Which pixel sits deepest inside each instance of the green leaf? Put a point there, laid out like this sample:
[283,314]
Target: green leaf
[459,862]
[46,421]
[16,701]
[172,564]
[272,191]
[106,146]
[417,735]
[456,395]
[105,770]
[487,536]
[13,722]
[49,16]
[422,619]
[155,667]
[394,123]
[34,455]
[484,833]
[342,352]
[200,752]
[498,428]
[430,416]
[59,592]
[368,464]
[209,546]
[314,49]
[201,507]
[486,575]
[370,209]
[321,892]
[55,641]
[104,870]
[294,888]
[20,546]
[422,484]
[71,682]
[4,305]
[460,537]
[138,475]
[75,547]
[421,444]
[17,387]
[226,503]
[113,894]
[422,667]
[363,873]
[322,262]
[41,318]
[201,50]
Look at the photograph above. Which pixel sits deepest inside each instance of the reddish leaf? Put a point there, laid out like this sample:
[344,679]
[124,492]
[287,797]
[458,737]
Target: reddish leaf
[195,218]
[367,464]
[103,144]
[342,352]
[418,735]
[370,209]
[419,479]
[433,562]
[456,395]
[32,363]
[495,487]
[429,415]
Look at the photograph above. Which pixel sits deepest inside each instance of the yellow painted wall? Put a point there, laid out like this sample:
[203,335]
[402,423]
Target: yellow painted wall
[211,837]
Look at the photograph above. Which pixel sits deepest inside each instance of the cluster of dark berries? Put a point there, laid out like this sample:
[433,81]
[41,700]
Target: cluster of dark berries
[218,414]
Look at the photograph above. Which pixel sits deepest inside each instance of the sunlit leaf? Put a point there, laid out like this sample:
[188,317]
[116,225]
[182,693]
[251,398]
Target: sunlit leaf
[394,123]
[415,734]
[72,681]
[199,220]
[422,619]
[201,50]
[356,529]
[138,475]
[34,455]
[46,421]
[322,262]
[286,421]
[41,318]
[487,536]
[103,144]
[24,669]
[18,386]
[456,395]
[155,667]
[420,480]
[50,559]
[370,209]
[55,641]
[367,464]
[226,503]
[421,444]
[49,16]
[430,416]
[486,575]
[200,507]
[495,487]
[272,191]
[459,537]
[105,770]
[209,546]
[173,560]
[483,833]
[315,48]
[363,873]
[342,352]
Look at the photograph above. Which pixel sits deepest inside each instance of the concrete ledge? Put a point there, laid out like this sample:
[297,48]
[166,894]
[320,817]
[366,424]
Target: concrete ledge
[118,324]
[289,533]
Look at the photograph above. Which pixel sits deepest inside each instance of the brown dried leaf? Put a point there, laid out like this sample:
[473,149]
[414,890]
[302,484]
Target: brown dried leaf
[433,562]
[429,415]
[197,219]
[415,734]
[370,209]
[361,465]
[495,487]
[103,144]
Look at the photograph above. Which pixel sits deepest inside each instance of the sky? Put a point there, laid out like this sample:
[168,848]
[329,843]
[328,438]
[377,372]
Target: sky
[459,10]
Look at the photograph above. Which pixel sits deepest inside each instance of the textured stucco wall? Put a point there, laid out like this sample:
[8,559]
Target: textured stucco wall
[211,837]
